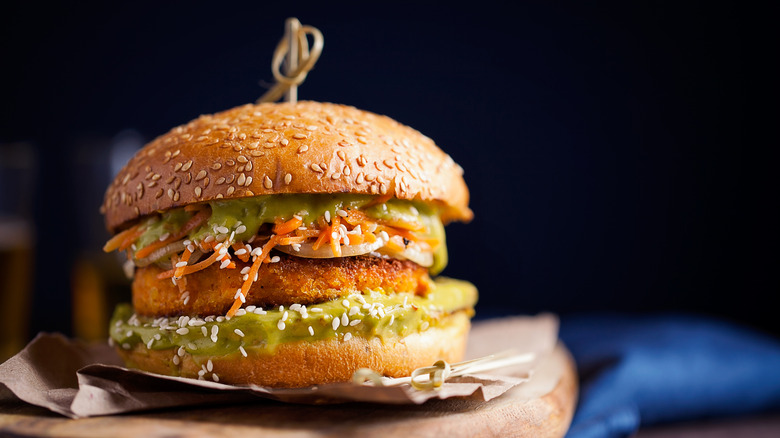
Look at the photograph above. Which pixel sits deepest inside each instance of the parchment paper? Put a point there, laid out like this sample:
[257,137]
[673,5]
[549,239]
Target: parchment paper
[79,380]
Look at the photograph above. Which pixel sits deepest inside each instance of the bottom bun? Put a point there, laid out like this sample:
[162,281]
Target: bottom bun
[306,363]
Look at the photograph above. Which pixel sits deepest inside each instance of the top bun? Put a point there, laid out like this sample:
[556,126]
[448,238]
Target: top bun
[271,148]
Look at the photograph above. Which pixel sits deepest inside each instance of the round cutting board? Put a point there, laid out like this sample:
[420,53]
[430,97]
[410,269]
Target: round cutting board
[541,407]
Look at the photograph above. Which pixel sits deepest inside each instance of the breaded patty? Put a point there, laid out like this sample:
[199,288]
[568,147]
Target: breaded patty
[288,281]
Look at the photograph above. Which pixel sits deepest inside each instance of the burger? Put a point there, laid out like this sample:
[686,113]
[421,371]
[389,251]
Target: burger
[288,245]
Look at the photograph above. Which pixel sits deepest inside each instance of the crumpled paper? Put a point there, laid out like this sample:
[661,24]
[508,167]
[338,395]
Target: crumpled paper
[79,380]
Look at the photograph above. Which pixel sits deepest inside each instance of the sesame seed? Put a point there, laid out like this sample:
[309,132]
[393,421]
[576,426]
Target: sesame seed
[311,331]
[241,349]
[280,325]
[347,336]
[224,264]
[341,213]
[181,264]
[345,303]
[336,322]
[284,316]
[215,377]
[344,319]
[355,322]
[287,178]
[176,360]
[316,167]
[183,331]
[260,311]
[204,330]
[315,310]
[181,351]
[303,149]
[353,310]
[267,183]
[424,325]
[238,332]
[299,136]
[149,344]
[327,216]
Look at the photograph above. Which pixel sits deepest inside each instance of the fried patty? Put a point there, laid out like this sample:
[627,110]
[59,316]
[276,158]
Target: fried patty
[288,281]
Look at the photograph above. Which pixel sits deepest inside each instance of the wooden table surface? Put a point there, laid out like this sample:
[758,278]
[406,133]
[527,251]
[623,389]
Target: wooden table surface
[541,407]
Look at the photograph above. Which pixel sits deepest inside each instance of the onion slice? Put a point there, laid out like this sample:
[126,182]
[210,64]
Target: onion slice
[412,253]
[306,250]
[171,248]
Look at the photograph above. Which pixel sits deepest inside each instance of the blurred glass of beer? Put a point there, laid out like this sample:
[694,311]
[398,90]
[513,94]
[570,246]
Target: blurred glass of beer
[17,176]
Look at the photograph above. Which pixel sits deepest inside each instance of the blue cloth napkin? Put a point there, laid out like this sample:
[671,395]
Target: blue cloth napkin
[638,371]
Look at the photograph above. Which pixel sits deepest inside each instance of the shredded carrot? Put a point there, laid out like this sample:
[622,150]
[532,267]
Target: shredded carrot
[252,272]
[184,258]
[396,232]
[117,241]
[189,269]
[335,244]
[194,222]
[356,239]
[207,246]
[307,233]
[131,238]
[244,257]
[396,243]
[152,247]
[322,238]
[287,227]
[291,240]
[356,217]
[191,224]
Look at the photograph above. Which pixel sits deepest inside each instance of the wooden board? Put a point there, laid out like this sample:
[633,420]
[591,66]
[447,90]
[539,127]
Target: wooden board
[542,407]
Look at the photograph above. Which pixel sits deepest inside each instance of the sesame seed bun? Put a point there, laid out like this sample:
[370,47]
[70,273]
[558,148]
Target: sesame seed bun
[274,148]
[305,363]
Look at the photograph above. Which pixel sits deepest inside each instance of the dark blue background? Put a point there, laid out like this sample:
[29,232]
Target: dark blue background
[610,149]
